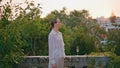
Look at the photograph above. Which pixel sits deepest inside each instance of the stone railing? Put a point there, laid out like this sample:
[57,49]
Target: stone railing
[70,61]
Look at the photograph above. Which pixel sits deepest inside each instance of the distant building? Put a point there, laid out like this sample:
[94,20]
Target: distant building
[107,24]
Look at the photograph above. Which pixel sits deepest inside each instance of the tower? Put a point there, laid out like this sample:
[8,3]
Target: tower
[112,17]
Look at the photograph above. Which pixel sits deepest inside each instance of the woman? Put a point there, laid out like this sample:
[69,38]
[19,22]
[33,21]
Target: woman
[56,45]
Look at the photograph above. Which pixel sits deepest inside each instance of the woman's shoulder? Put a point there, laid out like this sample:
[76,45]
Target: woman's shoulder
[52,34]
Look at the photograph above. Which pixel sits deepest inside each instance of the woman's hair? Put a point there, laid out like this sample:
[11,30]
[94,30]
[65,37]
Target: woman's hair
[54,21]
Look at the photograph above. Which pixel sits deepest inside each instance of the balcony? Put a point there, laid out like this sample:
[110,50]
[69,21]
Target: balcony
[70,62]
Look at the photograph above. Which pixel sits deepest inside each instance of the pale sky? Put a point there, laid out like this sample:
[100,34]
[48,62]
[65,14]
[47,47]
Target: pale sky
[96,8]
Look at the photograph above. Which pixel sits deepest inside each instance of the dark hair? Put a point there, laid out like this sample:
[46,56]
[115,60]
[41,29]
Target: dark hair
[54,21]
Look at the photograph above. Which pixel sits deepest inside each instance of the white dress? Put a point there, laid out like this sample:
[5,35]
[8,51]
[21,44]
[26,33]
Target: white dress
[56,49]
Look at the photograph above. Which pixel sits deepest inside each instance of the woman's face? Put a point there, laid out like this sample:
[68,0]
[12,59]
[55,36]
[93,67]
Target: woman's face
[58,24]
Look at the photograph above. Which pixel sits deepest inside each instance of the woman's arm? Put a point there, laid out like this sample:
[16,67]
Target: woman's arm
[52,49]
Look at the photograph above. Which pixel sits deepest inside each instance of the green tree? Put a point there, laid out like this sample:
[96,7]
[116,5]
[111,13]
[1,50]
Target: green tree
[114,40]
[83,41]
[10,46]
[12,38]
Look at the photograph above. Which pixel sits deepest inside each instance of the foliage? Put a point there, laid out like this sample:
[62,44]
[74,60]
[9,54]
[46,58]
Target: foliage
[12,38]
[83,41]
[107,54]
[23,33]
[10,45]
[116,61]
[114,41]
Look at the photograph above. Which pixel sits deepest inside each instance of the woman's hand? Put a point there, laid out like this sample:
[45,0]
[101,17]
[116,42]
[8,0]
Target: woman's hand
[54,66]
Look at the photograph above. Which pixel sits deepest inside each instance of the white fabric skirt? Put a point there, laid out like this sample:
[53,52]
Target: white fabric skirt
[59,62]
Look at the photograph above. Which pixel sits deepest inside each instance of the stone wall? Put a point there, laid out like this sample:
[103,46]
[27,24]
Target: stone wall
[70,61]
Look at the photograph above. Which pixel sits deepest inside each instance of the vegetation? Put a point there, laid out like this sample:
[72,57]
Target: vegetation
[24,33]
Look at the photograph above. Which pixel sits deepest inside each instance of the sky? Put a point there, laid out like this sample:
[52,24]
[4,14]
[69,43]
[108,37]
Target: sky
[96,8]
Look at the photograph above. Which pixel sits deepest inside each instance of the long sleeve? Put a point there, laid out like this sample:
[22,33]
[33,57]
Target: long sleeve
[52,49]
[63,49]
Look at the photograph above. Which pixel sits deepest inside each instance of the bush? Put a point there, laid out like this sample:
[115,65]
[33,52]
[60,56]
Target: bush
[115,61]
